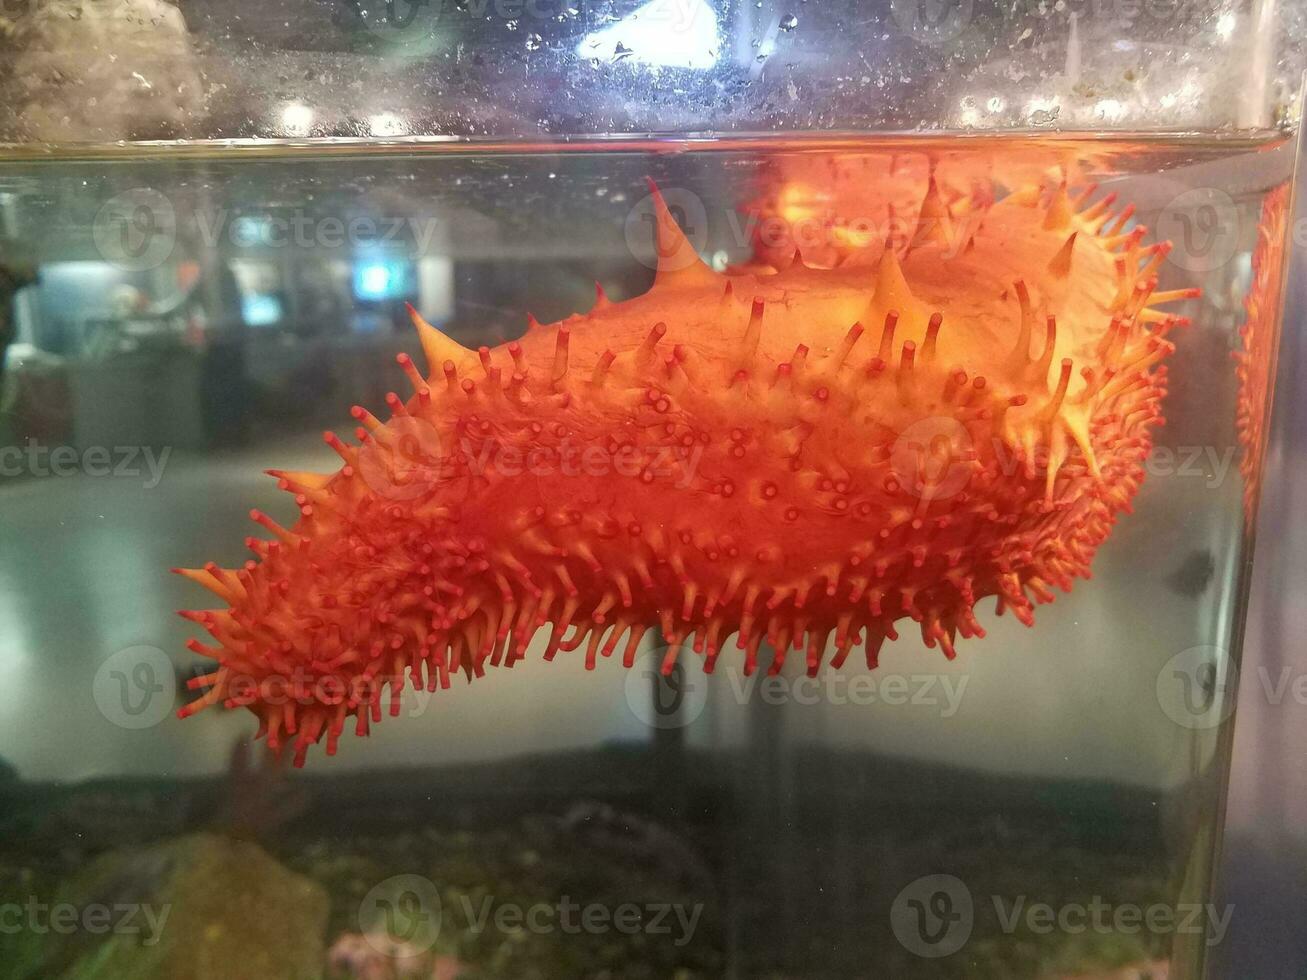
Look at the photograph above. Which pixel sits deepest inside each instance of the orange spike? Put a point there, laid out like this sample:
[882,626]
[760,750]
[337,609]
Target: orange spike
[887,336]
[435,345]
[932,335]
[935,224]
[752,331]
[560,354]
[678,263]
[1060,266]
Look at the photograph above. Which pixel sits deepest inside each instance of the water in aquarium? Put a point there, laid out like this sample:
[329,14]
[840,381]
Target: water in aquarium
[572,476]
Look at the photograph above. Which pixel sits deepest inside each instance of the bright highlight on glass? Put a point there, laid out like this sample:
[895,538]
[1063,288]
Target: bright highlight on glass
[662,33]
[297,119]
[386,124]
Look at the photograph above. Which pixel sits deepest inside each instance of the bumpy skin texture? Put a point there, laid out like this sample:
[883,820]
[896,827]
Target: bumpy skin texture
[807,457]
[831,205]
[1255,361]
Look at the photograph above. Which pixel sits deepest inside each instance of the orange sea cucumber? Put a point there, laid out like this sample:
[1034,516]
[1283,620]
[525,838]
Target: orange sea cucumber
[831,205]
[1255,360]
[806,457]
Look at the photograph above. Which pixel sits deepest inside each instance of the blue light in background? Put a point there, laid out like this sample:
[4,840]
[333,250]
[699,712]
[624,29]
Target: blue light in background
[377,279]
[261,310]
[250,230]
[374,281]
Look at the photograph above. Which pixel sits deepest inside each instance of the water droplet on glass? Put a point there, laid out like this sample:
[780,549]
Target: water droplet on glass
[789,22]
[533,42]
[511,25]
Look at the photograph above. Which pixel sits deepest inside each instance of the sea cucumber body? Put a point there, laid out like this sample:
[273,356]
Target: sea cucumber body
[833,205]
[807,458]
[1258,336]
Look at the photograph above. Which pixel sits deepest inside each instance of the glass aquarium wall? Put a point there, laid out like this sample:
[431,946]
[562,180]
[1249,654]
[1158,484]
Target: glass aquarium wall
[86,72]
[157,373]
[1267,796]
[651,490]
